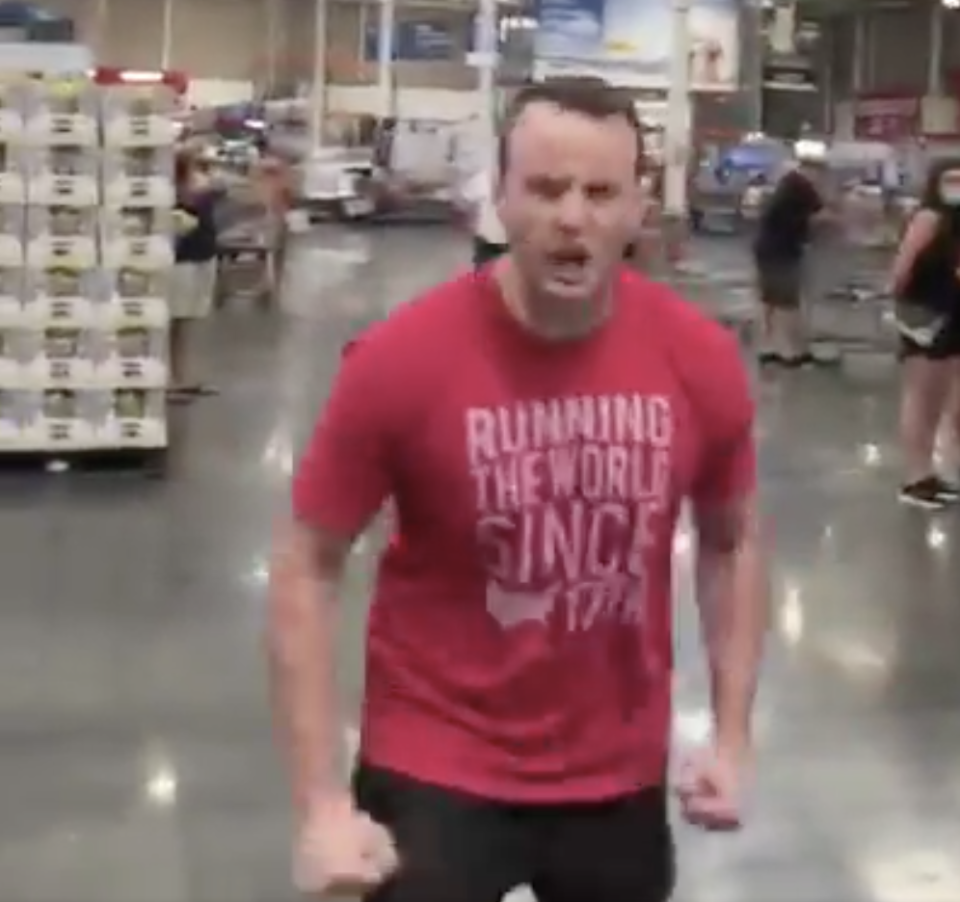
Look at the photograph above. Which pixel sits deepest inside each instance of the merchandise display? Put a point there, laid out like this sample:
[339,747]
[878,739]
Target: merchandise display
[86,251]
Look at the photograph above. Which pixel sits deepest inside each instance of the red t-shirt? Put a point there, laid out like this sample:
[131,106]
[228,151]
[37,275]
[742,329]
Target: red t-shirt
[519,641]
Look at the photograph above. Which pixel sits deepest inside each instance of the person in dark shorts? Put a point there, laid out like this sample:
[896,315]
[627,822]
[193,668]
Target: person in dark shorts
[927,287]
[536,428]
[783,232]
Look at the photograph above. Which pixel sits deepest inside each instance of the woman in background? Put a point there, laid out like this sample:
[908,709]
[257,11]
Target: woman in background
[194,273]
[926,284]
[274,184]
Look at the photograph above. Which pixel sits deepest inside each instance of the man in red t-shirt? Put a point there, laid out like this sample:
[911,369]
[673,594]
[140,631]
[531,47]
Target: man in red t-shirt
[537,427]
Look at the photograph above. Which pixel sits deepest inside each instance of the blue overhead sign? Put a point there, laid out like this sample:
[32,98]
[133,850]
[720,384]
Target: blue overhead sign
[630,42]
[22,15]
[416,40]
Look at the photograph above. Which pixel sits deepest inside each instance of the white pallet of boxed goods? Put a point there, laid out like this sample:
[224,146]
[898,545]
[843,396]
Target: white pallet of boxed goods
[61,294]
[61,111]
[133,356]
[137,237]
[63,234]
[11,296]
[86,251]
[13,183]
[13,219]
[62,176]
[12,106]
[138,116]
[137,177]
[71,356]
[136,296]
[65,421]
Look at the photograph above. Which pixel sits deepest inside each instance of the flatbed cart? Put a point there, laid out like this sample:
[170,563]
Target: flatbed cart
[727,296]
[849,308]
[248,249]
[853,316]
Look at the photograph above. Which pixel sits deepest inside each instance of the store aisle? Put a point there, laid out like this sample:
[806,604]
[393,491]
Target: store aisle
[136,758]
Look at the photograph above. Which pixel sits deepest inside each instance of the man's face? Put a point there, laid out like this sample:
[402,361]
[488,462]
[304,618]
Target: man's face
[569,199]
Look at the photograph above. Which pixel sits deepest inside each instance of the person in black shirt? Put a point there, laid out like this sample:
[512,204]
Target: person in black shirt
[195,272]
[926,283]
[783,232]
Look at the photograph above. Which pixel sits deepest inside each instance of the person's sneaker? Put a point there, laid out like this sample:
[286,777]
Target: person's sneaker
[948,489]
[925,493]
[799,361]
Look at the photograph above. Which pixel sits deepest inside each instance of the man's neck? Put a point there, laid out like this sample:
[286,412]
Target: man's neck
[543,316]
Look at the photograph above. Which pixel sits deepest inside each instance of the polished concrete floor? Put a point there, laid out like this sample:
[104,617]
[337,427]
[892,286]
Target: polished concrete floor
[135,754]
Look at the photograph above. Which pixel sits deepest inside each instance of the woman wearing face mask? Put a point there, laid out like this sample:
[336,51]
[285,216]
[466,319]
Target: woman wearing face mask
[926,284]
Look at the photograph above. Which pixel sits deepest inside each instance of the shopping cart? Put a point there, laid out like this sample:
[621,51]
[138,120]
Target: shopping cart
[849,307]
[726,295]
[247,248]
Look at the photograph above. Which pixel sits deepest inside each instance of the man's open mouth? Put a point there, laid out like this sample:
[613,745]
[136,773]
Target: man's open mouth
[569,265]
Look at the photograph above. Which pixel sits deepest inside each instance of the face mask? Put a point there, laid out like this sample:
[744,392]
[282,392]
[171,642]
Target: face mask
[950,188]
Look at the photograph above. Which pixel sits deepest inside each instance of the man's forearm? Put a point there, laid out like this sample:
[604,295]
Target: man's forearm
[733,595]
[301,635]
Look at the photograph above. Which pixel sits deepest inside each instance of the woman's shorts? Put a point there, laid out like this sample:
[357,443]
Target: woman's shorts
[192,287]
[945,346]
[780,282]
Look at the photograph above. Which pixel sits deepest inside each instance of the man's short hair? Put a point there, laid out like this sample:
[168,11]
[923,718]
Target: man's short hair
[588,96]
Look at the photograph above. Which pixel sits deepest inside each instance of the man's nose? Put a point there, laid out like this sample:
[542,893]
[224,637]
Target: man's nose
[572,211]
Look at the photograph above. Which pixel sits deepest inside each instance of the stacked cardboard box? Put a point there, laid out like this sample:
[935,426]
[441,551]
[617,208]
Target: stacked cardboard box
[86,238]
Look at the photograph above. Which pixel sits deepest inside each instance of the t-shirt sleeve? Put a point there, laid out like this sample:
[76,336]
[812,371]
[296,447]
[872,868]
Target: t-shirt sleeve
[728,460]
[345,474]
[808,196]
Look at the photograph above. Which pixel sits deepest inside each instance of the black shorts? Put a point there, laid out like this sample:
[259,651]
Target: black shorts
[780,282]
[455,847]
[946,346]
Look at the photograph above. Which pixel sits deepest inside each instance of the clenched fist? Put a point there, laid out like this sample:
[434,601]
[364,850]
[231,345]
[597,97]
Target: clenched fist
[710,790]
[342,850]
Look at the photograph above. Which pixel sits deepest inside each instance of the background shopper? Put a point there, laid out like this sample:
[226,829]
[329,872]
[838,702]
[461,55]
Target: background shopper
[194,273]
[783,234]
[274,184]
[926,284]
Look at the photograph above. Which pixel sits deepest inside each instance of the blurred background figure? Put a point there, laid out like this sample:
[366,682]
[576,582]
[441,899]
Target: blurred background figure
[784,231]
[274,182]
[194,274]
[479,207]
[926,283]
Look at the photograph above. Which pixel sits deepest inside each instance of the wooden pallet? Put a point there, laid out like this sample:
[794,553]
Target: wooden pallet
[148,462]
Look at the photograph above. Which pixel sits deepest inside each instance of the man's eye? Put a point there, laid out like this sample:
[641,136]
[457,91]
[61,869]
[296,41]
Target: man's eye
[550,190]
[601,192]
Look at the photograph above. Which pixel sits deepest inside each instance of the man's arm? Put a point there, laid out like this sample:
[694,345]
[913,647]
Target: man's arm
[341,483]
[732,578]
[302,623]
[733,596]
